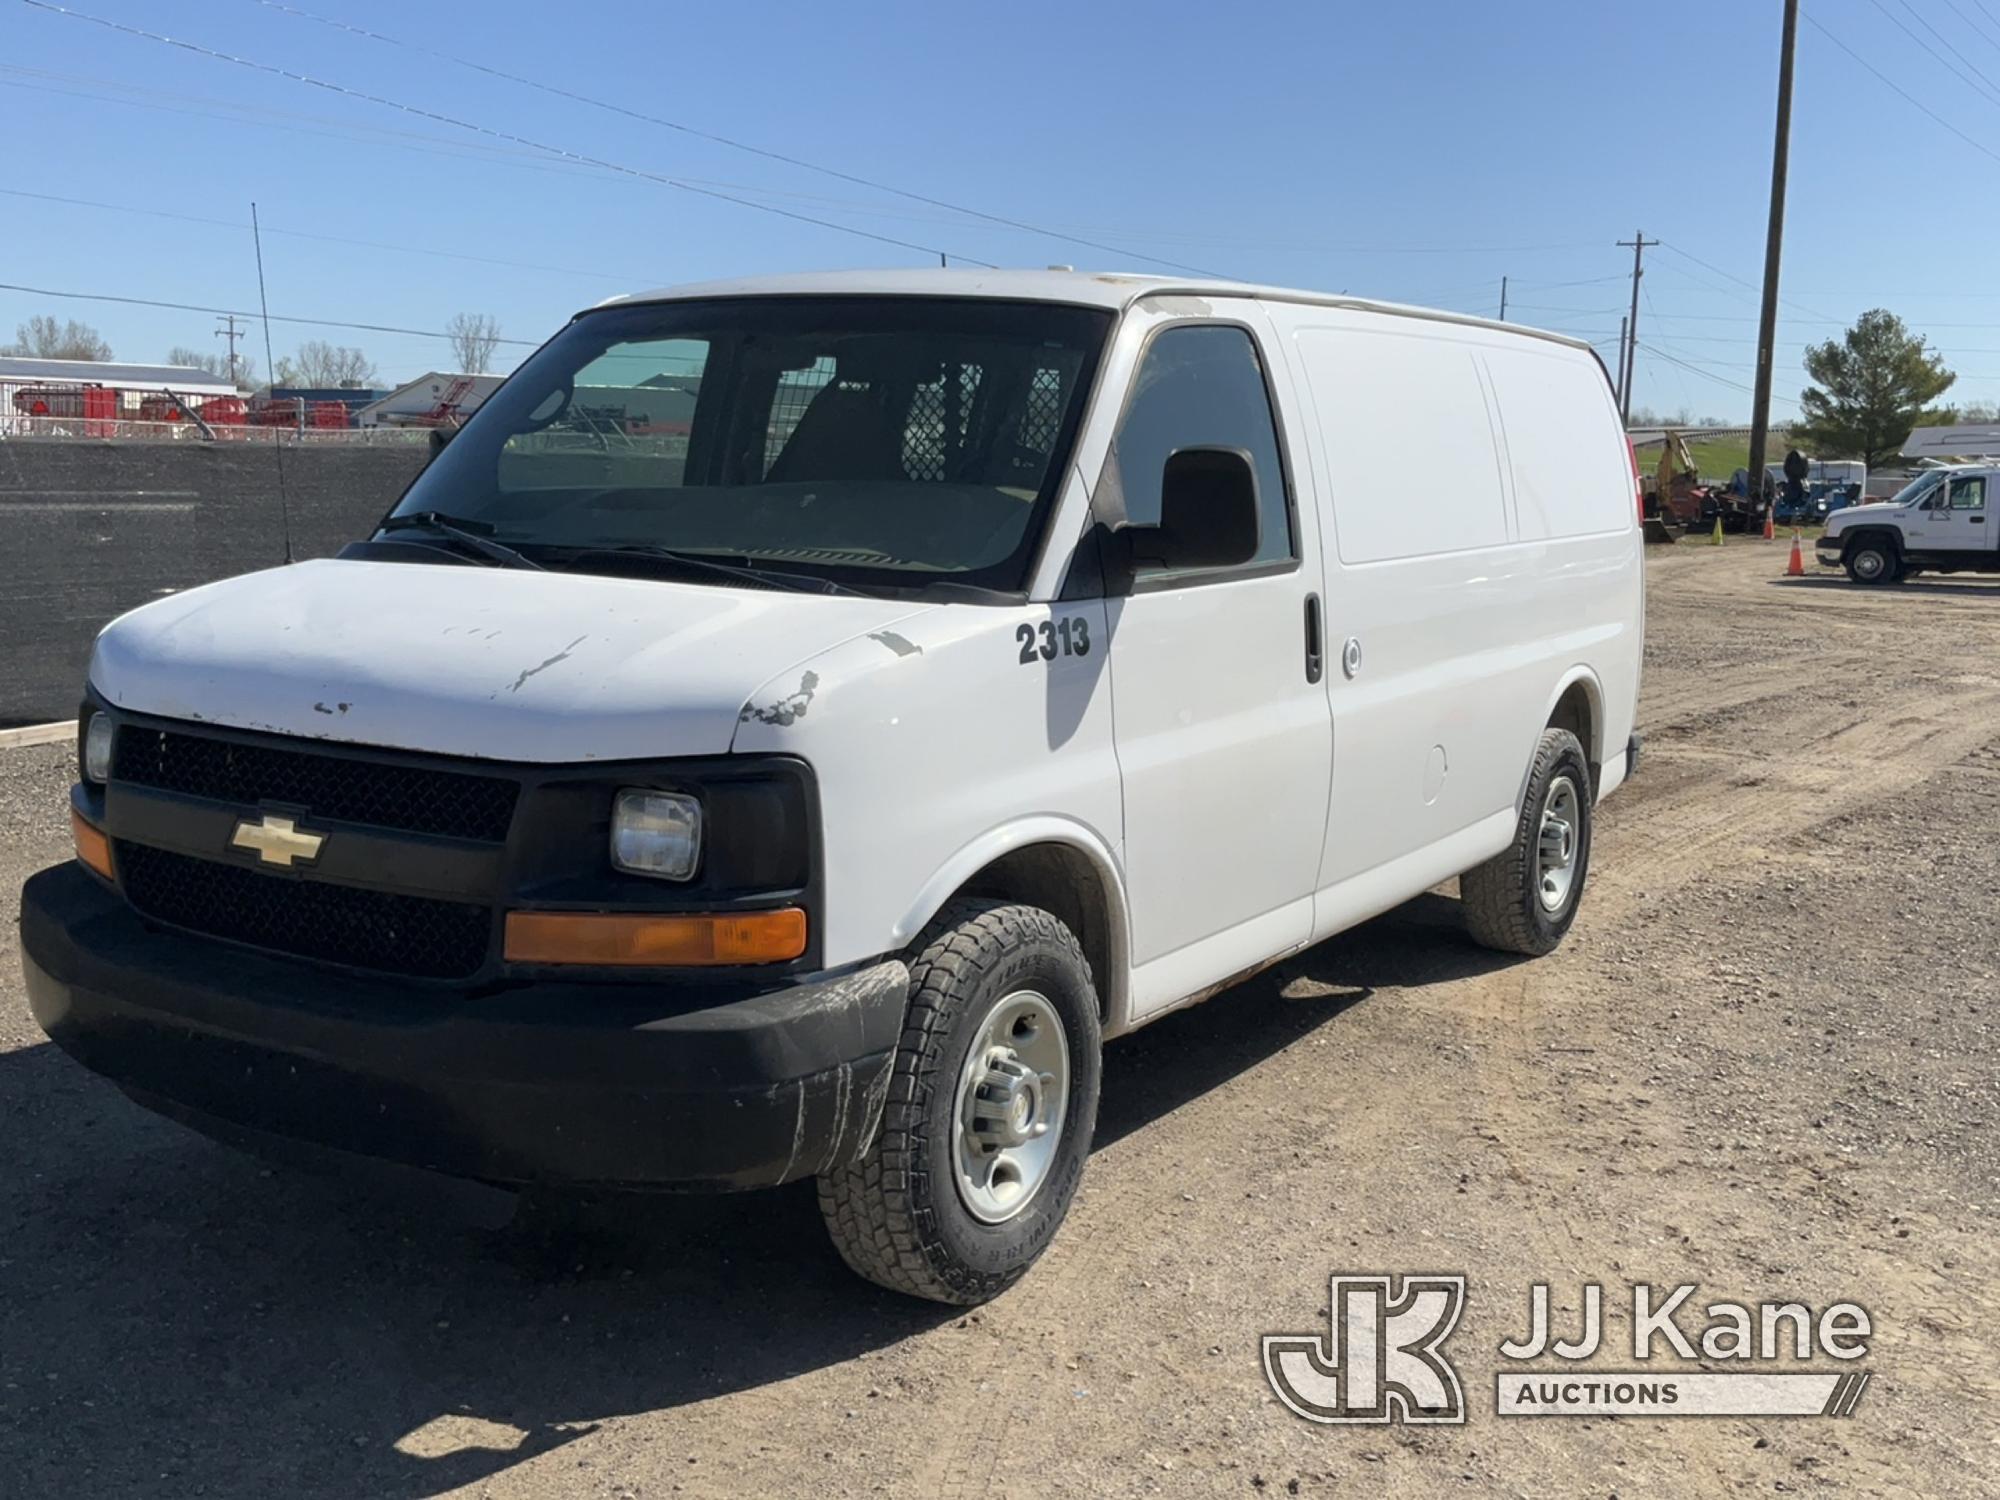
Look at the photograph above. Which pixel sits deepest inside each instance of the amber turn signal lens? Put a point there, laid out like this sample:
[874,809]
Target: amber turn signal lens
[636,938]
[92,847]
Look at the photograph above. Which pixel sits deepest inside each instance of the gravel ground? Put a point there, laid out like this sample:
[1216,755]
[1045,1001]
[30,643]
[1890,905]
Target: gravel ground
[1764,1061]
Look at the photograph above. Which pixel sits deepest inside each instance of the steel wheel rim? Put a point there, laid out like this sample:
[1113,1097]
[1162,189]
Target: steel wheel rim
[1558,844]
[1011,1106]
[1868,564]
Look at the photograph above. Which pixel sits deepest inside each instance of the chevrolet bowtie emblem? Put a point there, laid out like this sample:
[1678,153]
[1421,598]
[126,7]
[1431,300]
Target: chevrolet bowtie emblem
[277,840]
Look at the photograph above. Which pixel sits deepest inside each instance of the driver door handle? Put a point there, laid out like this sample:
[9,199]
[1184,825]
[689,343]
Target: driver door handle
[1315,640]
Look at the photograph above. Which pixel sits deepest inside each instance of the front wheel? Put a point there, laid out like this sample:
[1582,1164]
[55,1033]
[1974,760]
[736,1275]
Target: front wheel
[1524,898]
[992,1104]
[1871,562]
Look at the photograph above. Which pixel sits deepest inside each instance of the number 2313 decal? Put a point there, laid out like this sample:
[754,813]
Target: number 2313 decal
[1053,638]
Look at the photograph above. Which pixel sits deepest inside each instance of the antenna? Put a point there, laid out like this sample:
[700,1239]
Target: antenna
[277,437]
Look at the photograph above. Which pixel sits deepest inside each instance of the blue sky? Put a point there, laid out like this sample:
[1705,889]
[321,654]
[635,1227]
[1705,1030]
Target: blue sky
[1417,152]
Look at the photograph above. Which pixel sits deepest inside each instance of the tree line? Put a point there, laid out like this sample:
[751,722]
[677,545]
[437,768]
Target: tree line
[315,365]
[1871,385]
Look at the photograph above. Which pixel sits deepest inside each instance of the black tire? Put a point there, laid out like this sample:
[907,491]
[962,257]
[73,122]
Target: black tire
[1872,562]
[897,1216]
[1502,898]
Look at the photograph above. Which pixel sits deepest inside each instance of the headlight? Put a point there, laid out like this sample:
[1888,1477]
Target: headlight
[97,749]
[656,833]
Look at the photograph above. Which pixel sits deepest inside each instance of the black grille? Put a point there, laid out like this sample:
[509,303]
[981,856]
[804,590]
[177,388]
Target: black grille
[411,935]
[414,799]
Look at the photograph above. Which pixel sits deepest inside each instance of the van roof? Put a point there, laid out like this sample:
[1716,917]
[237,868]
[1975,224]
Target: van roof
[1085,288]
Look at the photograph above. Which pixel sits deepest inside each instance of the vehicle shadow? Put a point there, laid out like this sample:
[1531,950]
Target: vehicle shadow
[1183,1056]
[173,1314]
[1937,588]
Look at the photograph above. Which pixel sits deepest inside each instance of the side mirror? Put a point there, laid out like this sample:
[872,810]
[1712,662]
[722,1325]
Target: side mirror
[1209,516]
[439,437]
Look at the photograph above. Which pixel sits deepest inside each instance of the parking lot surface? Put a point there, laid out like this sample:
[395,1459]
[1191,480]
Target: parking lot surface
[1764,1061]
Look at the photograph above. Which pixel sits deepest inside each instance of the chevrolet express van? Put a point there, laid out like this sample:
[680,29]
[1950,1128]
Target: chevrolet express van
[795,722]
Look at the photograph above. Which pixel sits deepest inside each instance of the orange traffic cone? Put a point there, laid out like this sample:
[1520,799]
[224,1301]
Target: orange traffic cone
[1796,568]
[1770,525]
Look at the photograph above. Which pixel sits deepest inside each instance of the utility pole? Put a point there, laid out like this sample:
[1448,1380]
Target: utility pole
[1774,236]
[1640,244]
[231,333]
[1503,299]
[1618,385]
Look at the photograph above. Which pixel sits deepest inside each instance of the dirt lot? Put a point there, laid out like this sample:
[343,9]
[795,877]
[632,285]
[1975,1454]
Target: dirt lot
[1765,1061]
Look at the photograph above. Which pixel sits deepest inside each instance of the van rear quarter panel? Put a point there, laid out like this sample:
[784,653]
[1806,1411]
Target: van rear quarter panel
[1483,550]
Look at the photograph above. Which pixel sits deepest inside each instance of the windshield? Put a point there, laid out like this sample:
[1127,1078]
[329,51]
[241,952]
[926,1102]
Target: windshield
[877,442]
[1914,492]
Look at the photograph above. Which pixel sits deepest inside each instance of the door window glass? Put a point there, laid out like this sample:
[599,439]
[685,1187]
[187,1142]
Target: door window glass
[1203,386]
[1969,493]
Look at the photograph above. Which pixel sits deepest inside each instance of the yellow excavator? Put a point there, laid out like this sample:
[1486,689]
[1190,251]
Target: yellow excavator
[1677,492]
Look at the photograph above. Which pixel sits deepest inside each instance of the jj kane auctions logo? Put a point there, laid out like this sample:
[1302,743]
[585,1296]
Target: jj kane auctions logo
[1382,1359]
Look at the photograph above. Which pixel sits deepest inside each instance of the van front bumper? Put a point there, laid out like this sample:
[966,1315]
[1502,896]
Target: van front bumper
[651,1086]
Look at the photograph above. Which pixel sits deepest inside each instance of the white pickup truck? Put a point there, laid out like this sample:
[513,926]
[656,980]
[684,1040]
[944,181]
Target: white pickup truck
[1939,522]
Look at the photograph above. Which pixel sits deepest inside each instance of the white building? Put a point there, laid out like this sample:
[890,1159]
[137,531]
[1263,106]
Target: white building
[436,399]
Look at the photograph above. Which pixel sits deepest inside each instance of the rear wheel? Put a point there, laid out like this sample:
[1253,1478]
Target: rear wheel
[1872,561]
[991,1108]
[1524,898]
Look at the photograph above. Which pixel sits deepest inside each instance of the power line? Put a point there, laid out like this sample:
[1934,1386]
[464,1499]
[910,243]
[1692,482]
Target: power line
[723,140]
[1654,312]
[1890,83]
[1840,322]
[1967,74]
[1707,374]
[1952,48]
[237,312]
[331,239]
[1581,312]
[502,135]
[708,189]
[1744,281]
[1977,29]
[1549,286]
[112,91]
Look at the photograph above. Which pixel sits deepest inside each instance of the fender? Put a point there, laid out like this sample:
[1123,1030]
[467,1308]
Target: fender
[1019,834]
[1592,753]
[1888,531]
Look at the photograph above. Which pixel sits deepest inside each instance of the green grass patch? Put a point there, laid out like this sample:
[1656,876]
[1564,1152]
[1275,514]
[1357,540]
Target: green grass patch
[1716,460]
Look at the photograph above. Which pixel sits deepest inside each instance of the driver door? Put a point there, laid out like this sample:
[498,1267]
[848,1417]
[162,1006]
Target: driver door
[1959,515]
[1224,737]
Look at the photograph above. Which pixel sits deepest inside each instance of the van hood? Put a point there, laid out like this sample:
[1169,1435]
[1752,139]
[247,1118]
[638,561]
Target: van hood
[496,663]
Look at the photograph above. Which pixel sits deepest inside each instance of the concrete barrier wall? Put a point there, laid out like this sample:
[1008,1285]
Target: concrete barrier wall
[89,530]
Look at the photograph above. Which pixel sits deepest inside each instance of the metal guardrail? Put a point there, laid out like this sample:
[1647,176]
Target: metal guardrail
[1643,437]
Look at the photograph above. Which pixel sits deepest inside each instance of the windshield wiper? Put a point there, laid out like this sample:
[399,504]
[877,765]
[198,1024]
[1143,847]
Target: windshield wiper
[797,582]
[462,530]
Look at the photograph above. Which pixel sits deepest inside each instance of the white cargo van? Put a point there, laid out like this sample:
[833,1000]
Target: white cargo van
[795,721]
